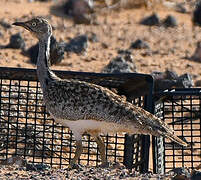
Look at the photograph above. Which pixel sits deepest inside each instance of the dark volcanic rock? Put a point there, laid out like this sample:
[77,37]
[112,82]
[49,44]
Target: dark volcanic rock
[16,42]
[152,20]
[197,54]
[121,64]
[180,173]
[68,6]
[163,84]
[198,83]
[185,81]
[32,52]
[80,10]
[56,52]
[169,79]
[122,51]
[77,45]
[5,24]
[197,14]
[37,167]
[170,21]
[180,7]
[1,34]
[172,75]
[139,44]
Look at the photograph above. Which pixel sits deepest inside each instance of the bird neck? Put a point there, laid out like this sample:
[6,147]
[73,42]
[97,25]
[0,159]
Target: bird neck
[45,75]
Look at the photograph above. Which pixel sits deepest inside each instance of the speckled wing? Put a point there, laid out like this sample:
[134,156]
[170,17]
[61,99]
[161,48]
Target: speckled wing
[78,100]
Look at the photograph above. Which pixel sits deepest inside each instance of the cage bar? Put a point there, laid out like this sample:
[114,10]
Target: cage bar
[28,131]
[181,109]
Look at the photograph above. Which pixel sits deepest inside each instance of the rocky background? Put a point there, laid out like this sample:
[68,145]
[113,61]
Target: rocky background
[158,38]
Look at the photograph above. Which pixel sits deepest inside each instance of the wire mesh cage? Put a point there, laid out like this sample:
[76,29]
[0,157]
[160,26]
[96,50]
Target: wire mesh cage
[27,130]
[181,109]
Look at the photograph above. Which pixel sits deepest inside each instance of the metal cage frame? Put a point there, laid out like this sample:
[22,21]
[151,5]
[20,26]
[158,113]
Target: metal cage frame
[181,109]
[26,129]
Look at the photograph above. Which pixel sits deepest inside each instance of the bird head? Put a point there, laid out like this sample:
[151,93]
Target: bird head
[39,27]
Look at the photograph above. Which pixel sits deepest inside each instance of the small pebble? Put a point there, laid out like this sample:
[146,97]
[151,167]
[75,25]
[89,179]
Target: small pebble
[104,45]
[181,173]
[139,44]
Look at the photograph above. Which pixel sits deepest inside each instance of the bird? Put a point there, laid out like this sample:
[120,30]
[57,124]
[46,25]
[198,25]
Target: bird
[85,107]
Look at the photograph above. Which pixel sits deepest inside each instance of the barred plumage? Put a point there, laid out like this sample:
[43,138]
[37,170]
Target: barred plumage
[86,107]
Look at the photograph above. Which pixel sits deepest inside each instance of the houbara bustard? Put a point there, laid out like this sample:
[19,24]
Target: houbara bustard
[88,108]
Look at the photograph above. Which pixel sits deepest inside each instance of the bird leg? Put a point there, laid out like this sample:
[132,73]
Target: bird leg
[78,152]
[101,148]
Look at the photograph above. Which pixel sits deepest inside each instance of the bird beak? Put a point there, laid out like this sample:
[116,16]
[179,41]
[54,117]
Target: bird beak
[22,24]
[19,24]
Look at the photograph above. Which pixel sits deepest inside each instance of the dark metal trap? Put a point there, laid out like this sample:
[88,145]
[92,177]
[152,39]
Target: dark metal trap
[27,130]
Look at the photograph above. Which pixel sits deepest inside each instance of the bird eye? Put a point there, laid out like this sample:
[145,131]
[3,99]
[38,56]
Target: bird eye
[33,24]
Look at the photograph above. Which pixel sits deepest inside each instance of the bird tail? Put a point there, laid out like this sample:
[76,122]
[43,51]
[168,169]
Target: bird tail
[150,124]
[159,127]
[168,132]
[175,138]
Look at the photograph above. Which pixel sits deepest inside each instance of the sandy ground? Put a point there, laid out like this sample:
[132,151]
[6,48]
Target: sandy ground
[170,47]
